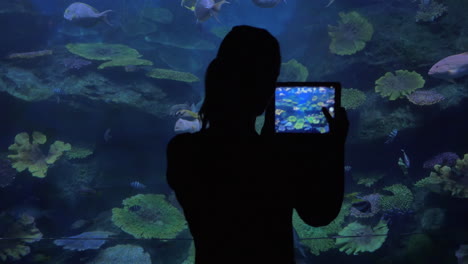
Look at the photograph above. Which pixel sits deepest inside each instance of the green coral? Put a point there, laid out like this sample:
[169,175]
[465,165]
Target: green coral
[29,155]
[159,15]
[102,51]
[321,236]
[293,71]
[299,124]
[360,238]
[125,62]
[351,34]
[122,254]
[352,98]
[172,75]
[79,152]
[153,217]
[292,119]
[402,198]
[15,233]
[398,85]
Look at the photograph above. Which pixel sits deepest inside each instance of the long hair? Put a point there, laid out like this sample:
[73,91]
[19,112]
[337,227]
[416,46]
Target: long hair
[241,76]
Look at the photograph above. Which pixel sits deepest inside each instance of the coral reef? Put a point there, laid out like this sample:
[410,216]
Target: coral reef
[430,12]
[159,15]
[451,179]
[398,85]
[293,71]
[428,97]
[122,254]
[7,173]
[374,200]
[401,199]
[367,179]
[29,155]
[172,75]
[79,151]
[23,84]
[351,34]
[155,217]
[453,94]
[191,255]
[365,238]
[325,243]
[125,62]
[352,98]
[443,159]
[30,55]
[22,228]
[102,51]
[84,241]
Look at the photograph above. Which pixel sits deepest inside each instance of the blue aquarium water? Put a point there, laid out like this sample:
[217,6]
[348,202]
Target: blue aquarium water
[91,93]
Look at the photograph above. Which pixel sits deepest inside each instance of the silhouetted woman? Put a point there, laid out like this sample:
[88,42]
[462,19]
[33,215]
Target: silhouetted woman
[238,189]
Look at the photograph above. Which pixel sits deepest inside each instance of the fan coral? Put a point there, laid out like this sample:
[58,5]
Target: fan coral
[320,236]
[172,75]
[401,199]
[159,15]
[122,62]
[351,34]
[29,155]
[362,238]
[374,200]
[155,217]
[444,159]
[398,85]
[102,51]
[452,179]
[84,241]
[122,254]
[293,71]
[7,173]
[425,97]
[352,98]
[430,12]
[22,228]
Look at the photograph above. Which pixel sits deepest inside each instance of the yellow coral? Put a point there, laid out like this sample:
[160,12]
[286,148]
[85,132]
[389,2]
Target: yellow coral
[29,155]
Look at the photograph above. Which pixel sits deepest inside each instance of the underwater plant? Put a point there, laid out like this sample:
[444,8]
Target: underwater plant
[351,34]
[401,199]
[122,254]
[172,75]
[362,238]
[29,155]
[398,85]
[352,98]
[149,216]
[453,179]
[293,71]
[102,51]
[24,229]
[325,233]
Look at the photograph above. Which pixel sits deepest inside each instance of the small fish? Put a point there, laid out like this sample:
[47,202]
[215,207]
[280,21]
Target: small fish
[267,3]
[451,67]
[363,206]
[137,185]
[134,208]
[183,126]
[85,15]
[186,114]
[406,159]
[204,9]
[391,136]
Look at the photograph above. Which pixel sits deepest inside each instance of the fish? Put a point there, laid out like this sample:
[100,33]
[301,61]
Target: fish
[450,67]
[267,3]
[405,159]
[184,126]
[85,15]
[137,185]
[187,114]
[363,206]
[391,136]
[204,9]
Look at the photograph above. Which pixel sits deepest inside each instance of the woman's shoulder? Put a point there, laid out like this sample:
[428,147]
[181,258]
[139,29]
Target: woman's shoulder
[185,140]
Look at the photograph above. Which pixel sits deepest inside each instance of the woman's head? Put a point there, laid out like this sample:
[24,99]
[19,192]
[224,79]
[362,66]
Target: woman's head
[241,79]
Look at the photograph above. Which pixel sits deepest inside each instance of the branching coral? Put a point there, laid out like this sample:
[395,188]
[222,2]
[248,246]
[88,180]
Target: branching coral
[430,12]
[102,51]
[325,242]
[22,228]
[360,238]
[149,216]
[452,179]
[352,98]
[398,85]
[172,75]
[122,254]
[351,34]
[29,155]
[293,71]
[401,199]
